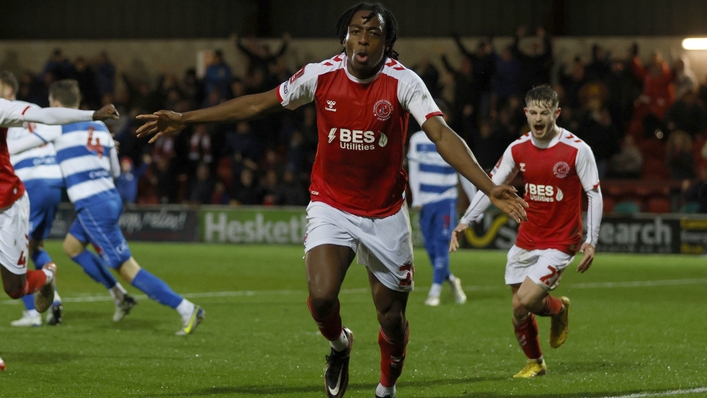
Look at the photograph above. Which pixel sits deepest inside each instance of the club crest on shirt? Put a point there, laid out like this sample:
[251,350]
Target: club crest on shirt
[382,110]
[561,169]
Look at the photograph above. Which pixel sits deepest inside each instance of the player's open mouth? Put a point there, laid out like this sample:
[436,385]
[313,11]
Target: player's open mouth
[362,57]
[539,128]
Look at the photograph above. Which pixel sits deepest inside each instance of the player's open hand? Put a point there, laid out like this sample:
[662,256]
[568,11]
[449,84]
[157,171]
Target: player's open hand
[456,235]
[107,112]
[160,122]
[507,200]
[588,251]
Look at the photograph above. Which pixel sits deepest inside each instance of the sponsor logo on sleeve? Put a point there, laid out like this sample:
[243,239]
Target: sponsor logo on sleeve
[297,75]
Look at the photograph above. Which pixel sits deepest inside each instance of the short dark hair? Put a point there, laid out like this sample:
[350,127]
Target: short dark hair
[66,92]
[390,25]
[8,78]
[543,94]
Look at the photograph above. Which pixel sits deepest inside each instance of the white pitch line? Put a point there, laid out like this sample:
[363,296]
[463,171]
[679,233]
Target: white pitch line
[662,394]
[668,282]
[238,293]
[470,288]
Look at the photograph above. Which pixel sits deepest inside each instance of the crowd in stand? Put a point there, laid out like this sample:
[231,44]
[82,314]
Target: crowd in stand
[643,117]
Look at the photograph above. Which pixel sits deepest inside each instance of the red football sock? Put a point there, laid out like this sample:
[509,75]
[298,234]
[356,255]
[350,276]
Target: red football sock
[551,306]
[329,324]
[527,335]
[34,280]
[392,357]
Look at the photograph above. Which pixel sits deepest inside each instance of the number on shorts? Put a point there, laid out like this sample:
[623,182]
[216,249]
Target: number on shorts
[409,269]
[546,278]
[23,259]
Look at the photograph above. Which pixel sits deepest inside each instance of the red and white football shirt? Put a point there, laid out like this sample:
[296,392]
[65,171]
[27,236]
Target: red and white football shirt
[554,175]
[11,188]
[362,127]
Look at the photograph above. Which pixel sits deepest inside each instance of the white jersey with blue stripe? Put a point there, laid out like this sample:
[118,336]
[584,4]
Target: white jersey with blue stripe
[431,178]
[89,161]
[37,164]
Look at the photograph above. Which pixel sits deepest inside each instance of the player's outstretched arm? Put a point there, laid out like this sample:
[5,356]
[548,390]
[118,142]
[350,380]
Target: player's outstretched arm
[66,115]
[588,251]
[247,107]
[456,235]
[455,152]
[106,112]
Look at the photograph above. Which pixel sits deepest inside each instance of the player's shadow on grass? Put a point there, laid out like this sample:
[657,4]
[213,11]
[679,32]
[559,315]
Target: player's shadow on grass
[593,367]
[262,390]
[40,358]
[629,393]
[287,391]
[105,321]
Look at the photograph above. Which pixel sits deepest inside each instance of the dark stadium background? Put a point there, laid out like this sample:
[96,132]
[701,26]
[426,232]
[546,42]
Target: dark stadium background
[158,19]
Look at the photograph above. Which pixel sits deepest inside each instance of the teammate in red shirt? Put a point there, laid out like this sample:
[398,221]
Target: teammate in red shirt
[556,167]
[14,203]
[364,97]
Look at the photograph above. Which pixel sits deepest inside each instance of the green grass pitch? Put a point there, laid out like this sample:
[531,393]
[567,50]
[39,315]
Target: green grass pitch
[637,328]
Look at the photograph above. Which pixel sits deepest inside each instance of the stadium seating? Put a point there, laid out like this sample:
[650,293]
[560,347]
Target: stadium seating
[631,196]
[627,207]
[654,168]
[690,208]
[658,204]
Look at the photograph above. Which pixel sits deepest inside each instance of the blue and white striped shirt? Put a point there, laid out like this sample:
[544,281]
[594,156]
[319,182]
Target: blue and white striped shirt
[37,164]
[431,178]
[89,161]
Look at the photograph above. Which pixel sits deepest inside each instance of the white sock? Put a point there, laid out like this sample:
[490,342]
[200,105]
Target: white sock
[185,308]
[385,391]
[435,290]
[451,279]
[118,293]
[341,343]
[32,313]
[57,299]
[49,274]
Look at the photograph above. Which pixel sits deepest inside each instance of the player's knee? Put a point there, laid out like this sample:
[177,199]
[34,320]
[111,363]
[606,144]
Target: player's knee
[128,269]
[392,322]
[321,304]
[526,301]
[392,318]
[71,249]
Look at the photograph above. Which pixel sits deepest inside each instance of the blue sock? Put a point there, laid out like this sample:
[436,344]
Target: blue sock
[95,268]
[441,270]
[40,257]
[156,289]
[28,300]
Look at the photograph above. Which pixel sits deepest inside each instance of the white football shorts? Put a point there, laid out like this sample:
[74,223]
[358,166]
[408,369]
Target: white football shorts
[14,238]
[384,245]
[543,267]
